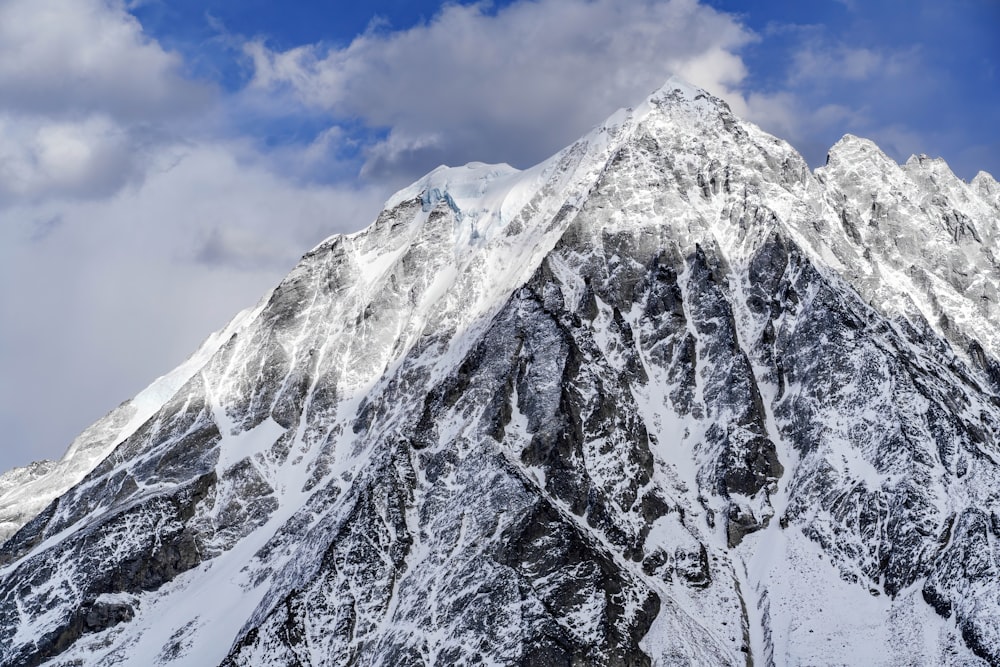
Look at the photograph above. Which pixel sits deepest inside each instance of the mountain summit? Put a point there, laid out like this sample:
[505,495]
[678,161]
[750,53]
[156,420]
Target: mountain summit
[668,397]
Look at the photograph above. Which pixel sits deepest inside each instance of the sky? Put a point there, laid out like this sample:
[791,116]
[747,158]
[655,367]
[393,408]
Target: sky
[163,163]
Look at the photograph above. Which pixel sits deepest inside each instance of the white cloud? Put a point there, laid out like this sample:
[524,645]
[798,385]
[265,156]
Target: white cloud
[129,226]
[86,94]
[60,57]
[512,85]
[88,157]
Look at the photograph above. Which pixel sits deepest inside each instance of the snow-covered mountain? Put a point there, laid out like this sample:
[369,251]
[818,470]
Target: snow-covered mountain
[668,397]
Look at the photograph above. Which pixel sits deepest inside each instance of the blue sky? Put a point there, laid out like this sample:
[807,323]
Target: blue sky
[163,164]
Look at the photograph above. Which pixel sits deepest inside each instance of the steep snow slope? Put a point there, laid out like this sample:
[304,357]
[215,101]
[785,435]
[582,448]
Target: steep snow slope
[666,398]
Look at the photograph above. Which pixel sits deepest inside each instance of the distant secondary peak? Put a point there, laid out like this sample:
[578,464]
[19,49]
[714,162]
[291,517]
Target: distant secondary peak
[985,181]
[851,150]
[921,158]
[924,161]
[987,186]
[854,142]
[922,166]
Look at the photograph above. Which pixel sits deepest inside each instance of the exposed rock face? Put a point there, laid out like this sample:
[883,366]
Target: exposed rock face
[667,398]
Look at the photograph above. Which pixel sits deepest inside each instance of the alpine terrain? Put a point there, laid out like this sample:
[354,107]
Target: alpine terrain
[667,398]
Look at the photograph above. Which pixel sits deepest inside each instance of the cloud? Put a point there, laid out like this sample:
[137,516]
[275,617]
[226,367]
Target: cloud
[815,64]
[69,57]
[513,85]
[90,157]
[134,218]
[86,96]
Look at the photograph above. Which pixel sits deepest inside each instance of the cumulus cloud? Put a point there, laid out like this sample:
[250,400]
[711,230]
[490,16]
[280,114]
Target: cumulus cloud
[515,84]
[41,158]
[85,94]
[60,57]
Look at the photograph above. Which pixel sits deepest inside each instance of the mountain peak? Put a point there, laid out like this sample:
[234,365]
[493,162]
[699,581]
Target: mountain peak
[677,92]
[652,399]
[677,85]
[987,186]
[852,151]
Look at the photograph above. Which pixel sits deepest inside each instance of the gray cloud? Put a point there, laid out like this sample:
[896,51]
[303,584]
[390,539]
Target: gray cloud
[241,249]
[85,96]
[41,158]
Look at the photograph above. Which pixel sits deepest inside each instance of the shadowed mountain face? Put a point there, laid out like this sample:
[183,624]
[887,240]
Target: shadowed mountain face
[666,398]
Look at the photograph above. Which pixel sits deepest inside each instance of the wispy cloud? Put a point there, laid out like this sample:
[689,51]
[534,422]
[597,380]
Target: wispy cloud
[817,64]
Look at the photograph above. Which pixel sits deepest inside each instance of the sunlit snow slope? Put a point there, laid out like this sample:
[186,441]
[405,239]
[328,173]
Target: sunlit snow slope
[666,398]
